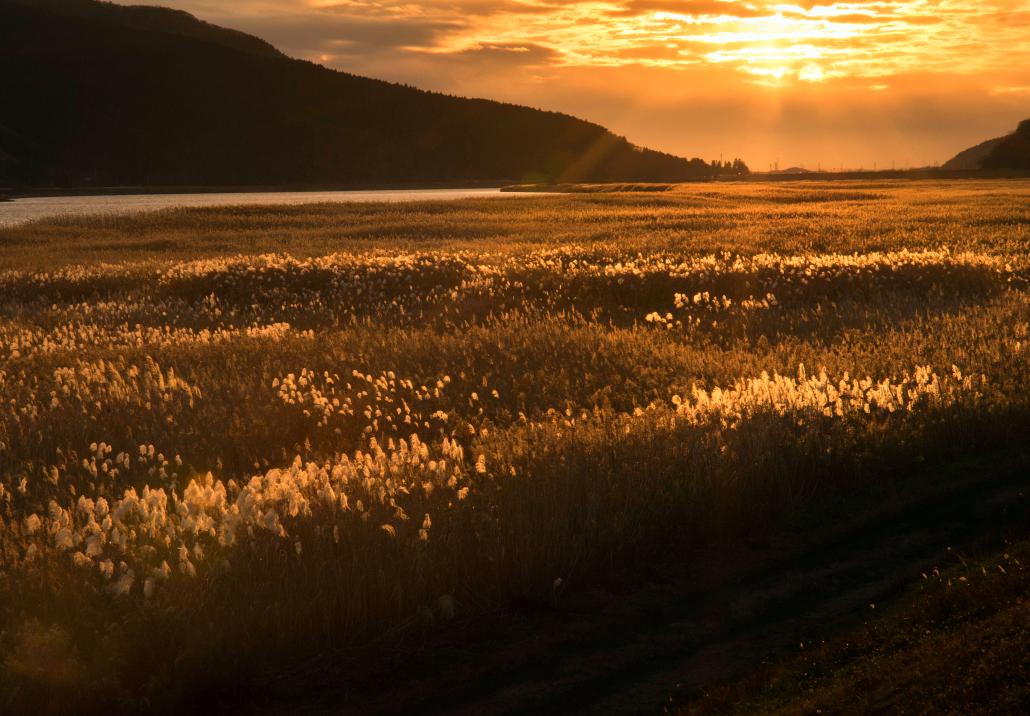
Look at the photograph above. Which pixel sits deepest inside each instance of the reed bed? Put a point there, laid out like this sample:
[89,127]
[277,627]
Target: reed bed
[214,460]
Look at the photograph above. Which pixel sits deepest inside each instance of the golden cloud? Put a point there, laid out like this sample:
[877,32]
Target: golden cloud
[650,68]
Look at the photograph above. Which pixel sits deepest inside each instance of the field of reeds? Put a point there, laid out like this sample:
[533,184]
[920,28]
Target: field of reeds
[231,438]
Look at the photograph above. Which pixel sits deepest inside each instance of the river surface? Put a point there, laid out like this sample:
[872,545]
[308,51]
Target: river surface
[34,208]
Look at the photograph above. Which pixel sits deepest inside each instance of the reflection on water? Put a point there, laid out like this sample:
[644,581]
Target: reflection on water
[21,210]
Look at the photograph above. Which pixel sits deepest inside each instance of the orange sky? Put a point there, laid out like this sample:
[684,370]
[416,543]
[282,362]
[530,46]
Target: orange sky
[807,82]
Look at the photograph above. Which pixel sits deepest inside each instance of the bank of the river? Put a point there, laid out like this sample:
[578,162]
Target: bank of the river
[22,209]
[763,177]
[26,192]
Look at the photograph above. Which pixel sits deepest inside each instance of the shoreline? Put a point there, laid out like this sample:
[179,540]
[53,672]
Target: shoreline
[505,185]
[12,193]
[8,194]
[764,177]
[923,173]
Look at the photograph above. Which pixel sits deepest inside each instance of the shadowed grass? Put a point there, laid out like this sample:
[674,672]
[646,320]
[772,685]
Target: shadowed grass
[955,642]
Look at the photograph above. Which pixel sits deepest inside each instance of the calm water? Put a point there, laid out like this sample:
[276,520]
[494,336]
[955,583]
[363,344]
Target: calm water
[21,210]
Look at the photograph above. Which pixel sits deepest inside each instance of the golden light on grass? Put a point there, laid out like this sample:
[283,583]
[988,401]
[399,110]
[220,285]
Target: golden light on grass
[260,453]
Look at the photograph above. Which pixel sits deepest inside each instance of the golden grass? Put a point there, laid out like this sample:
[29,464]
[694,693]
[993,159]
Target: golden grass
[233,436]
[742,218]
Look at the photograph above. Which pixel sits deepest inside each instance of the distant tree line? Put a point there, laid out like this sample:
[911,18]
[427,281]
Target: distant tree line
[736,168]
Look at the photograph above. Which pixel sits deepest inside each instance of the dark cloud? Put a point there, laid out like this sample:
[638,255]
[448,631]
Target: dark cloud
[502,53]
[337,33]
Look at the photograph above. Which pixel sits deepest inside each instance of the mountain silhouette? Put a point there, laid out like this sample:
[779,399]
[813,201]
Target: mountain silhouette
[972,158]
[101,94]
[157,19]
[1009,152]
[1013,151]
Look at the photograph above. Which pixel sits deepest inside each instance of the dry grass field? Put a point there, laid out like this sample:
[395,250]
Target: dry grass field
[231,438]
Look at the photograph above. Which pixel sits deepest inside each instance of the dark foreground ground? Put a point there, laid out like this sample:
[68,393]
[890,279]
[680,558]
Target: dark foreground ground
[957,641]
[909,595]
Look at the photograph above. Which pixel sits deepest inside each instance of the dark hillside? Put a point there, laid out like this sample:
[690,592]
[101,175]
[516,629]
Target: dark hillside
[157,19]
[1012,152]
[973,157]
[97,94]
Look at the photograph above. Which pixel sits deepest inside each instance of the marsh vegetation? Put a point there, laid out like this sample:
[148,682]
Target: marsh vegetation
[232,437]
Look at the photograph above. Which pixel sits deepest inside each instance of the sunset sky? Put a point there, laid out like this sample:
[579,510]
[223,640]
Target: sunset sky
[806,83]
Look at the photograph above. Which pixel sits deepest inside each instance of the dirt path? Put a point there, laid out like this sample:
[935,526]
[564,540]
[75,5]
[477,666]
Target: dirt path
[720,612]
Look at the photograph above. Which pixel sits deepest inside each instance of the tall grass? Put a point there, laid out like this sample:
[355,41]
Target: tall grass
[214,459]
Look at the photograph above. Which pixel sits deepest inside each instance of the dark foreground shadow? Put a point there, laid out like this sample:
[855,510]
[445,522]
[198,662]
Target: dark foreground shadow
[700,618]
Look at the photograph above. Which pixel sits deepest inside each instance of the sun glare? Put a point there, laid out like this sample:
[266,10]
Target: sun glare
[796,42]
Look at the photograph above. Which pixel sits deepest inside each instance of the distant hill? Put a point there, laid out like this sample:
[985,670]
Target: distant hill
[157,19]
[973,157]
[100,94]
[1009,152]
[1013,151]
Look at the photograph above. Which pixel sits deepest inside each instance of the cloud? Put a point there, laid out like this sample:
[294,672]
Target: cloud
[507,53]
[317,34]
[656,70]
[841,39]
[689,8]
